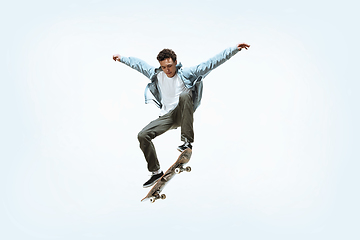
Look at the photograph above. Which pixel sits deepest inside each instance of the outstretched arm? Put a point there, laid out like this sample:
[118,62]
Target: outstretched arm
[136,64]
[205,68]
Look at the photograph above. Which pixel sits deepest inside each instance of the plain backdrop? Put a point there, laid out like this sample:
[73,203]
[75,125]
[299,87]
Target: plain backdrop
[276,151]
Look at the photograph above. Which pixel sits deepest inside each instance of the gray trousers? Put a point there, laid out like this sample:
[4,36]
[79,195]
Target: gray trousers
[181,116]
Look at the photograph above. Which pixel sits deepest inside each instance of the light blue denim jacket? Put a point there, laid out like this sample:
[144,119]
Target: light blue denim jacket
[192,76]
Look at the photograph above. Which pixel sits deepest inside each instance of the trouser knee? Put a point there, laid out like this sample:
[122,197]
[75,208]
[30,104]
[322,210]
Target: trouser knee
[145,137]
[142,136]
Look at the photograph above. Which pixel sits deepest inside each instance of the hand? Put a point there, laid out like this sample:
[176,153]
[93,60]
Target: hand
[243,45]
[116,57]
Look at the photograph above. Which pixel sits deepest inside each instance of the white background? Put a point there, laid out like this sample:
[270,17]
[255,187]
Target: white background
[276,152]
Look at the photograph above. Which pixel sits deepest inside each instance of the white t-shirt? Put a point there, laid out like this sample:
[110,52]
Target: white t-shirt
[170,89]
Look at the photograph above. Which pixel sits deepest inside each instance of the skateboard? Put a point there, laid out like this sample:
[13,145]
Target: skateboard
[176,168]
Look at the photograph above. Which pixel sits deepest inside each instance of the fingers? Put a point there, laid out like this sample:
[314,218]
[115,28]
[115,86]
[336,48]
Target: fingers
[243,45]
[116,57]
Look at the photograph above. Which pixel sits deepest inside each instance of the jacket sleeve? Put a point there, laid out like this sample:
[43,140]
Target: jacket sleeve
[139,65]
[203,69]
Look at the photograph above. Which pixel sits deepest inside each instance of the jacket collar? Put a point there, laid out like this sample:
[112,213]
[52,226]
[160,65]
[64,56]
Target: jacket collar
[178,66]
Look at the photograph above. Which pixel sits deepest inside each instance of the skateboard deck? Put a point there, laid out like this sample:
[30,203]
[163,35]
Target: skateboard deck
[176,168]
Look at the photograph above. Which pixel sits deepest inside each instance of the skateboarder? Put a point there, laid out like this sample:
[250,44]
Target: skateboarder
[177,92]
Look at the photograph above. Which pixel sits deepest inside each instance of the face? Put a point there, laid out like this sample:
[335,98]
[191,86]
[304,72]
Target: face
[169,67]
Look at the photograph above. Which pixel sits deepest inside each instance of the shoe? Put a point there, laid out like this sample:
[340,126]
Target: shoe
[153,179]
[184,146]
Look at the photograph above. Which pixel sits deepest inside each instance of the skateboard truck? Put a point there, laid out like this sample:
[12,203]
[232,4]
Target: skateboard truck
[157,196]
[181,169]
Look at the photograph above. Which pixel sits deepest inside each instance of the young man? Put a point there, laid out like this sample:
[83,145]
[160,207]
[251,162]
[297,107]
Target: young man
[177,92]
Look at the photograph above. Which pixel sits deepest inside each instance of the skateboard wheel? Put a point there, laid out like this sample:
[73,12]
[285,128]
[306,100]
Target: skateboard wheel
[177,170]
[152,200]
[188,169]
[163,196]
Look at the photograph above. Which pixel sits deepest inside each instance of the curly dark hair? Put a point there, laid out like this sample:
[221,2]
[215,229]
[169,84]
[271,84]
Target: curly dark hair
[165,54]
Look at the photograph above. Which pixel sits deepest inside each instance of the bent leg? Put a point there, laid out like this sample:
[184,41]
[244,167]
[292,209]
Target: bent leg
[152,130]
[185,117]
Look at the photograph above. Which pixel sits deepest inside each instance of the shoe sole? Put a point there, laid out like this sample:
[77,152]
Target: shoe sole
[179,149]
[147,186]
